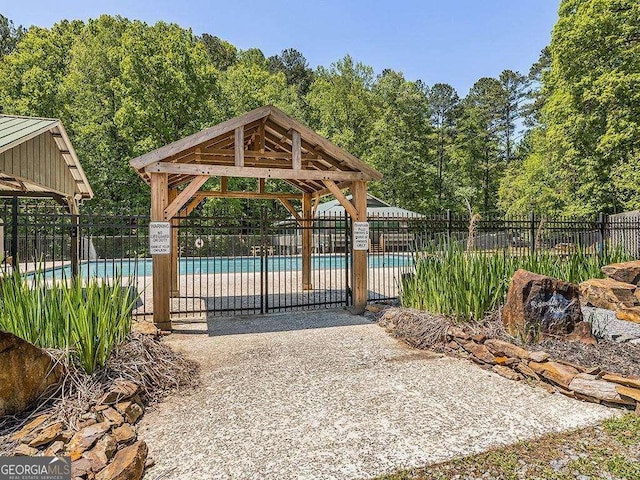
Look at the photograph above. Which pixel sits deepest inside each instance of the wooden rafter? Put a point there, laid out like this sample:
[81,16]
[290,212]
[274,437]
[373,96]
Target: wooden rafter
[174,207]
[292,210]
[348,206]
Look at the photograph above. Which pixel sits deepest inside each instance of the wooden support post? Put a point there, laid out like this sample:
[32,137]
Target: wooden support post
[161,263]
[360,257]
[239,146]
[296,152]
[223,184]
[173,194]
[307,237]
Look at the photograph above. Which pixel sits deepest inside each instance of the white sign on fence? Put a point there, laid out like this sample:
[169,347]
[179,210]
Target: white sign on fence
[361,235]
[160,238]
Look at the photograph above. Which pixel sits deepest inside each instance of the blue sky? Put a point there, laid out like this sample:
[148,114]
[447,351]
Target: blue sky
[451,41]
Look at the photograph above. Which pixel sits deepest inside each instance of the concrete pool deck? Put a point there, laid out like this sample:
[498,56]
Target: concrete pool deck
[330,395]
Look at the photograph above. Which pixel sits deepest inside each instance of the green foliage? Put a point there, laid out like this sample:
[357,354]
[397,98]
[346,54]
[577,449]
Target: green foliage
[341,104]
[401,151]
[469,285]
[86,320]
[10,35]
[589,128]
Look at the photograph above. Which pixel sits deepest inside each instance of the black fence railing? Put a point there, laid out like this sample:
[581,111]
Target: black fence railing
[230,265]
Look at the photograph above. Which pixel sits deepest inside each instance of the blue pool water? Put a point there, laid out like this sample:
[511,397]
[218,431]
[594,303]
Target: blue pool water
[210,265]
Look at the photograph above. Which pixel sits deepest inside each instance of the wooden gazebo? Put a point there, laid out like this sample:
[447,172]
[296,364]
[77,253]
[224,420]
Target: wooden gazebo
[263,144]
[37,160]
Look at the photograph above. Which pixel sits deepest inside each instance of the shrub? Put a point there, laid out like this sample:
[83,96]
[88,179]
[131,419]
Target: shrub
[469,285]
[85,319]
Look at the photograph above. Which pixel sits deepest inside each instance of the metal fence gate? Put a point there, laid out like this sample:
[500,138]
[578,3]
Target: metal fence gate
[232,266]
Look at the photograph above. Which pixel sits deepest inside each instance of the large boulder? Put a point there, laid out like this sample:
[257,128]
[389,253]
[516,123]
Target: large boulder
[26,373]
[608,293]
[539,305]
[627,272]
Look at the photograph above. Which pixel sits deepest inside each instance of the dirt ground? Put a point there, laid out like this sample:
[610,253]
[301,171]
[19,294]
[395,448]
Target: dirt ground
[329,395]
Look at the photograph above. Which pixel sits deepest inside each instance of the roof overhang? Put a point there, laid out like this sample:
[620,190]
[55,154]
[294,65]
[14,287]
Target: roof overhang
[263,143]
[16,131]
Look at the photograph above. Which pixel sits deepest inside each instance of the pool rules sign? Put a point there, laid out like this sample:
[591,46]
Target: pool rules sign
[160,238]
[361,235]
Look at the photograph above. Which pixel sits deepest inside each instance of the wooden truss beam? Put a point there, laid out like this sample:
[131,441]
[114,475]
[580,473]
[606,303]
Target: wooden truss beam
[185,195]
[250,195]
[348,206]
[253,172]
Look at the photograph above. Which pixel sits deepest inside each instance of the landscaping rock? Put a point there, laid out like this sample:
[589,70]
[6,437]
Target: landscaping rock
[628,382]
[128,464]
[145,328]
[24,450]
[629,314]
[458,332]
[29,428]
[54,449]
[480,352]
[124,433]
[86,438]
[608,293]
[122,390]
[506,372]
[628,392]
[106,446]
[131,410]
[555,372]
[26,372]
[627,272]
[112,416]
[80,467]
[502,348]
[538,356]
[537,304]
[525,370]
[47,435]
[97,460]
[582,333]
[591,386]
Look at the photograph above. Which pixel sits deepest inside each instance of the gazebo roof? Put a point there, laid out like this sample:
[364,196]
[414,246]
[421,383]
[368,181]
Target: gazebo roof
[273,145]
[37,159]
[375,208]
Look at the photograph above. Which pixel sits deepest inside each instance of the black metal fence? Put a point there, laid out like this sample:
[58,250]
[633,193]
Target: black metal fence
[230,266]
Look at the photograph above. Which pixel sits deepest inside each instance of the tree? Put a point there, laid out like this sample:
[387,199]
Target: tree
[477,149]
[590,121]
[444,108]
[295,68]
[10,35]
[246,86]
[513,93]
[31,75]
[341,105]
[399,143]
[221,53]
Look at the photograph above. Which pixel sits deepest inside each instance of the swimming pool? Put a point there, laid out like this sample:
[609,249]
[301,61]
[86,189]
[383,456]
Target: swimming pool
[211,265]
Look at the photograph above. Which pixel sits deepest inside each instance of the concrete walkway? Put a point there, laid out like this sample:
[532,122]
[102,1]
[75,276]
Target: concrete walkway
[331,396]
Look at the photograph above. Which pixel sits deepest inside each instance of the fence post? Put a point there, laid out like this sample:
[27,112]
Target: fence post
[532,233]
[14,232]
[449,227]
[601,234]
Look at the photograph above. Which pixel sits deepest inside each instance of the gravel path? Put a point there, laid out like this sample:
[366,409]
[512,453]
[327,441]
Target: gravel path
[329,395]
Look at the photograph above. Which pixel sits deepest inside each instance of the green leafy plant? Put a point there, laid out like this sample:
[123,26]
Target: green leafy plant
[87,319]
[469,285]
